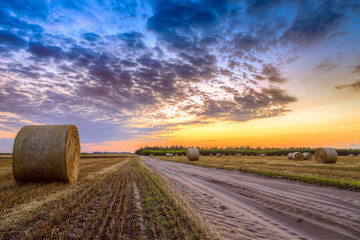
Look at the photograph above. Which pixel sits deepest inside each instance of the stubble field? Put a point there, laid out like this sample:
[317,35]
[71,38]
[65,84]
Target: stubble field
[115,197]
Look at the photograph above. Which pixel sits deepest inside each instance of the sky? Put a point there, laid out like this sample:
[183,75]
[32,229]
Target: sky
[268,73]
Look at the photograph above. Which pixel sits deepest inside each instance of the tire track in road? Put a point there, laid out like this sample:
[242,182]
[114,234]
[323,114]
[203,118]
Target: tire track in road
[247,206]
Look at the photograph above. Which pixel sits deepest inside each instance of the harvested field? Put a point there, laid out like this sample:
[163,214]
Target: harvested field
[115,197]
[345,173]
[247,206]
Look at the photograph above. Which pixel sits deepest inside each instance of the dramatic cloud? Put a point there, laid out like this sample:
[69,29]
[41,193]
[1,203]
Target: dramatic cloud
[133,67]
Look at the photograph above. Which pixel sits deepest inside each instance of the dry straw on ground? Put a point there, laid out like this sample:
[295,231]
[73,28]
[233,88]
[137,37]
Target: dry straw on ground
[297,156]
[307,156]
[192,154]
[290,156]
[46,153]
[326,155]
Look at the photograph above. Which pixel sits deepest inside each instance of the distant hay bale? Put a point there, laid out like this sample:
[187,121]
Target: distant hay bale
[46,153]
[326,155]
[240,155]
[290,155]
[176,155]
[211,155]
[192,154]
[167,154]
[282,155]
[351,155]
[218,155]
[307,156]
[263,155]
[359,155]
[297,156]
[151,155]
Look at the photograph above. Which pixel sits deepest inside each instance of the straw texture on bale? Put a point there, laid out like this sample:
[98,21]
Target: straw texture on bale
[326,155]
[218,155]
[46,153]
[192,154]
[290,155]
[307,156]
[297,156]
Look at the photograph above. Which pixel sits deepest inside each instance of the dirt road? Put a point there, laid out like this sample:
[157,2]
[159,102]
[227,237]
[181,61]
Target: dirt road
[246,206]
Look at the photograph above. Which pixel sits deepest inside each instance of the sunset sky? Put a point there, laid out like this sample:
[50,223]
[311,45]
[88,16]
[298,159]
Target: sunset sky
[267,73]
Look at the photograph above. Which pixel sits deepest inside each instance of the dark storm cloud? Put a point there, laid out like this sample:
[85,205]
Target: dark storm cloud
[314,23]
[272,74]
[270,102]
[10,39]
[45,51]
[91,37]
[354,86]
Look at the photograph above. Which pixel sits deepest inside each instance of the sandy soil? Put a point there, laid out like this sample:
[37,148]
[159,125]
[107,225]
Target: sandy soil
[247,206]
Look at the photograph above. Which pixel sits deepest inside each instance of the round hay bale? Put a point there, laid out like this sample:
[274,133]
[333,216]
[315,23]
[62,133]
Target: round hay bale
[359,155]
[176,155]
[240,155]
[263,155]
[307,156]
[282,155]
[351,155]
[192,154]
[151,155]
[290,155]
[297,156]
[210,155]
[326,155]
[167,154]
[46,153]
[218,155]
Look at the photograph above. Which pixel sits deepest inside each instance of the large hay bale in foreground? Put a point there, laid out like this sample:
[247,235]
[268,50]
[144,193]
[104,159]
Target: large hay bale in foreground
[290,155]
[46,153]
[326,155]
[192,154]
[297,156]
[307,156]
